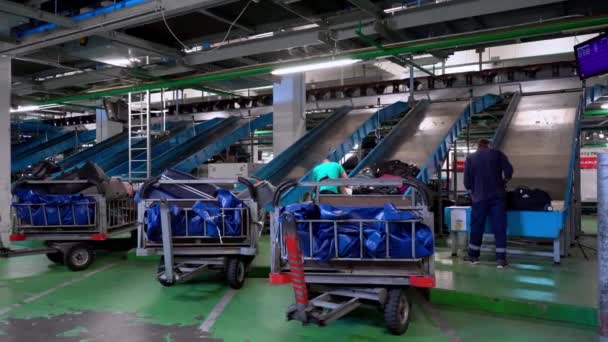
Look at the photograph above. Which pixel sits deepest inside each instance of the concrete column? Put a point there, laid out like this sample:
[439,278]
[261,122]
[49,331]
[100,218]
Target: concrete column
[104,127]
[289,104]
[5,148]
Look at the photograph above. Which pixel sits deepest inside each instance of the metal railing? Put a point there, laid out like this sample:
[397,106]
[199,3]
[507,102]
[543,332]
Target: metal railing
[242,215]
[51,213]
[363,224]
[120,212]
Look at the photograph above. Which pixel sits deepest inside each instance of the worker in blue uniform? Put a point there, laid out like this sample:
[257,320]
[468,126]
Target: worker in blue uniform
[486,173]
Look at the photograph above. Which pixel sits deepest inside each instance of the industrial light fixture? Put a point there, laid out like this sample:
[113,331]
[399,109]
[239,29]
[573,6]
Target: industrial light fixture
[605,106]
[23,109]
[395,9]
[314,66]
[601,135]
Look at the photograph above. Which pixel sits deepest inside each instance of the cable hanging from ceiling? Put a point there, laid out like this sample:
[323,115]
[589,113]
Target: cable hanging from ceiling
[162,12]
[219,45]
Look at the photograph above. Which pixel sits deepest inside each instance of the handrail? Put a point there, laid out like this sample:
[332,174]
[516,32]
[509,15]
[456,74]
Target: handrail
[288,185]
[499,135]
[573,159]
[373,154]
[478,105]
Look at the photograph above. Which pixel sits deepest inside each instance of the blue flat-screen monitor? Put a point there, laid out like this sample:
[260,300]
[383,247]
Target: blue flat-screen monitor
[592,57]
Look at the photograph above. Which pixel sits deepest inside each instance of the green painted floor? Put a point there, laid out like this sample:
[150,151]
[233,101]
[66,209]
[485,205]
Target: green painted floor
[589,224]
[531,286]
[119,300]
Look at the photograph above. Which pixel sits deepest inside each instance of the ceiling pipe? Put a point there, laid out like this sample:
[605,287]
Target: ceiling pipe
[415,47]
[93,13]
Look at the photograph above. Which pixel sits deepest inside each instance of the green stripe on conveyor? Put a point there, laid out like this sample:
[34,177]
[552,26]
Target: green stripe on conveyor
[596,112]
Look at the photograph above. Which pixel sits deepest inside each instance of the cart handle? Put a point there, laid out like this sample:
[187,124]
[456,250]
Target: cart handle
[250,186]
[281,189]
[409,181]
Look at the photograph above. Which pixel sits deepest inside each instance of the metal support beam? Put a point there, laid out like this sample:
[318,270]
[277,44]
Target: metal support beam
[602,244]
[505,34]
[226,21]
[29,12]
[132,16]
[443,12]
[143,44]
[276,43]
[5,149]
[411,99]
[368,7]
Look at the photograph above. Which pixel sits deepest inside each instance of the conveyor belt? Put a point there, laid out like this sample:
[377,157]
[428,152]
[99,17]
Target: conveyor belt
[173,156]
[51,148]
[326,142]
[538,141]
[91,152]
[417,136]
[204,148]
[316,145]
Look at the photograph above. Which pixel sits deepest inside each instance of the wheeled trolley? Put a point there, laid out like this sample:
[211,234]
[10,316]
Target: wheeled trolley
[370,261]
[70,228]
[213,235]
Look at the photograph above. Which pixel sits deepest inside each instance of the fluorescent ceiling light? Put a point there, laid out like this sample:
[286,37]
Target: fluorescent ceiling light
[261,35]
[395,9]
[314,66]
[23,109]
[605,106]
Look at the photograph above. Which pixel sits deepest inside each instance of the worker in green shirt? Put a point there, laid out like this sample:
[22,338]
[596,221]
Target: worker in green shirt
[328,170]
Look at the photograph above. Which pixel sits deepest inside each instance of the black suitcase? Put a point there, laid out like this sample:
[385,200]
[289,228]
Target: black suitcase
[523,198]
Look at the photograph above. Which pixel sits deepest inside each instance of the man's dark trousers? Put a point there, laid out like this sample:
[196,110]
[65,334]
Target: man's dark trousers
[494,209]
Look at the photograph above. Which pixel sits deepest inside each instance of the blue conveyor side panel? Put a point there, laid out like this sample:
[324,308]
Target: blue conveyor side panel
[167,145]
[52,148]
[479,105]
[35,127]
[109,161]
[91,153]
[31,144]
[215,147]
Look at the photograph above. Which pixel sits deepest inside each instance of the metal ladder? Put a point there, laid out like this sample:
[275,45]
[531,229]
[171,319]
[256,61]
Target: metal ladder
[140,151]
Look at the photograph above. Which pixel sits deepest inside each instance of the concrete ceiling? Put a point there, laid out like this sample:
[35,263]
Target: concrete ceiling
[82,53]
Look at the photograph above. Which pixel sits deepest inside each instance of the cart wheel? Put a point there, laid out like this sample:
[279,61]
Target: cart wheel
[56,257]
[165,282]
[78,257]
[160,271]
[397,312]
[235,272]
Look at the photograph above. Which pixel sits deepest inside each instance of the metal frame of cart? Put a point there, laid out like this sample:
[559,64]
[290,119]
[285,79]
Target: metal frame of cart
[185,257]
[70,243]
[343,284]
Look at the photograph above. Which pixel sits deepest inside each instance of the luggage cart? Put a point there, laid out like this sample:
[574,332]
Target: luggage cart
[344,284]
[185,257]
[71,243]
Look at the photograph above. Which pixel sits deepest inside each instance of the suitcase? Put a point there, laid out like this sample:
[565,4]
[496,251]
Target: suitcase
[523,198]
